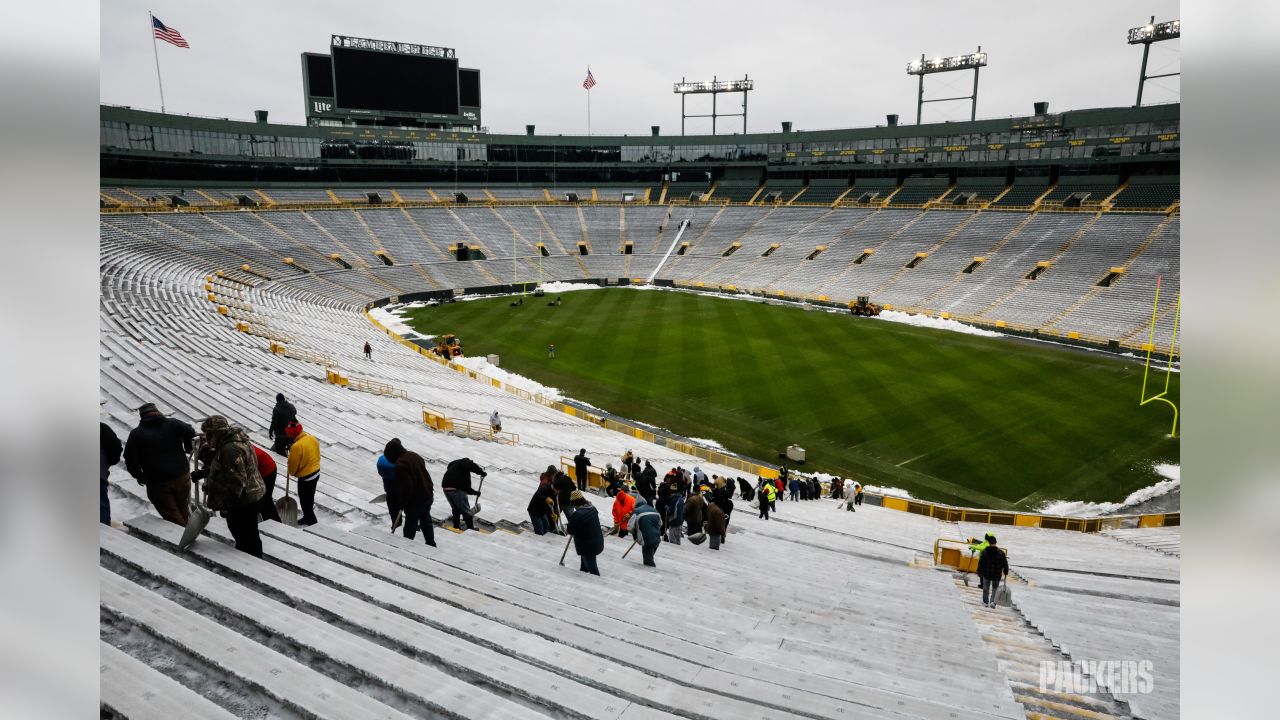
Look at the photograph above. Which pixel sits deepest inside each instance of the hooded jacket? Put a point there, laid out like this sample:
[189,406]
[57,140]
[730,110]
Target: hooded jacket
[458,476]
[584,526]
[232,478]
[623,506]
[412,483]
[646,525]
[695,510]
[717,523]
[156,451]
[564,487]
[282,414]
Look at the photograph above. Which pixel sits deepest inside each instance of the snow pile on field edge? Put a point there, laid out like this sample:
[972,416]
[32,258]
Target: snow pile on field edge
[564,287]
[707,442]
[1078,508]
[936,323]
[482,366]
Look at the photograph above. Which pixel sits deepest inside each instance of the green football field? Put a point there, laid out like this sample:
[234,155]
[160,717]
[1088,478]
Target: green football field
[977,421]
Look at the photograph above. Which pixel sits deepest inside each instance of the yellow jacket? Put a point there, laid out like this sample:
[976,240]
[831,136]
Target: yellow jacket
[769,491]
[304,456]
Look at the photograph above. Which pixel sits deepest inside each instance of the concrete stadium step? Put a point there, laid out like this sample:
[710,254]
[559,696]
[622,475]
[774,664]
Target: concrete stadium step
[462,612]
[672,657]
[131,689]
[1021,650]
[289,683]
[389,655]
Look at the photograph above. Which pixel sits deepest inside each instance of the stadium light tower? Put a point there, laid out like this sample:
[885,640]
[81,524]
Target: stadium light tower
[715,87]
[1150,33]
[973,61]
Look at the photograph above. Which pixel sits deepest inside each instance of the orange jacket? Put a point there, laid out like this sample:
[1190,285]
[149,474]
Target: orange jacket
[623,505]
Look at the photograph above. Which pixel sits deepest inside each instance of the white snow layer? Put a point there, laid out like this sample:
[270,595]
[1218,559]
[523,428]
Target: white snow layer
[390,320]
[482,366]
[564,287]
[1079,508]
[707,442]
[936,323]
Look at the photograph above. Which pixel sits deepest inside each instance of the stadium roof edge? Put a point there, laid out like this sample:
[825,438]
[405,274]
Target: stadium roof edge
[1070,118]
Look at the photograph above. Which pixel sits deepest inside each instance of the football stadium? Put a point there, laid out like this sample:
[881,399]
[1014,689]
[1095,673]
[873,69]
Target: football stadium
[926,374]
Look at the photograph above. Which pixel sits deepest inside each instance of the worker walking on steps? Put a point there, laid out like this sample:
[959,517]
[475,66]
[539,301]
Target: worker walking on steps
[368,350]
[584,526]
[304,465]
[232,483]
[581,468]
[993,567]
[155,454]
[976,547]
[646,528]
[281,415]
[456,485]
[412,489]
[387,471]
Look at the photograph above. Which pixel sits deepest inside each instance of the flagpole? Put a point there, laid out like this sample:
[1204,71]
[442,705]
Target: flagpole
[151,26]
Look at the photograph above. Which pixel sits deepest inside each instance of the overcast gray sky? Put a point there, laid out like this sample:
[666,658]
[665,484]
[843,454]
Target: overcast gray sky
[819,63]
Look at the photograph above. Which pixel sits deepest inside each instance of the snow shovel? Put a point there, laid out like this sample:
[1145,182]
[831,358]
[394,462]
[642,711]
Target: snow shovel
[475,509]
[378,499]
[1004,596]
[287,506]
[198,516]
[566,551]
[197,519]
[633,544]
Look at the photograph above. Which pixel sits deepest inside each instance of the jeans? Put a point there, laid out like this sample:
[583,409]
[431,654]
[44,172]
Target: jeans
[541,524]
[420,518]
[267,505]
[104,505]
[242,522]
[764,509]
[460,507]
[172,498]
[649,551]
[989,586]
[307,499]
[587,564]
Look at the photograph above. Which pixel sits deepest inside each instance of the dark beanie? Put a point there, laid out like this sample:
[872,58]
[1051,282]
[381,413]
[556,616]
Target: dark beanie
[393,450]
[279,397]
[148,409]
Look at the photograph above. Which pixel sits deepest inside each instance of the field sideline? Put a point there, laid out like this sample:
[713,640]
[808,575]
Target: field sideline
[988,422]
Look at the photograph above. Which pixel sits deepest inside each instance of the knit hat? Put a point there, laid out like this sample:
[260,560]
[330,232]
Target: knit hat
[294,429]
[393,450]
[279,397]
[148,409]
[576,496]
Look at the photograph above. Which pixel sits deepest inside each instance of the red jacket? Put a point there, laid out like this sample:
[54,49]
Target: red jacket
[266,465]
[623,506]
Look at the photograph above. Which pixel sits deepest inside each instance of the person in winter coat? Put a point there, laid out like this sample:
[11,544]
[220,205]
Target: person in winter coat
[623,506]
[387,471]
[722,497]
[581,468]
[647,483]
[547,477]
[666,491]
[564,487]
[646,528]
[155,454]
[857,493]
[795,489]
[695,512]
[747,491]
[413,490]
[267,470]
[109,450]
[699,477]
[368,351]
[717,525]
[675,518]
[281,415]
[612,481]
[836,485]
[815,488]
[304,466]
[495,422]
[541,507]
[232,483]
[849,496]
[456,485]
[584,526]
[766,495]
[993,567]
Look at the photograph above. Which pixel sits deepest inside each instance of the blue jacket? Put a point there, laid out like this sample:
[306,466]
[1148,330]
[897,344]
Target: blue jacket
[387,470]
[646,524]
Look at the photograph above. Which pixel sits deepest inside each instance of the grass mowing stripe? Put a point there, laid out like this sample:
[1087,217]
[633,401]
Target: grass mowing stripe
[993,422]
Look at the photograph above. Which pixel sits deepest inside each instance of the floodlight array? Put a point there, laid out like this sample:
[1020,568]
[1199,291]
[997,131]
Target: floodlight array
[717,86]
[924,66]
[1155,32]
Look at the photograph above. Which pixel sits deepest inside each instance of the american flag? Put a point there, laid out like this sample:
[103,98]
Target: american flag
[590,82]
[167,34]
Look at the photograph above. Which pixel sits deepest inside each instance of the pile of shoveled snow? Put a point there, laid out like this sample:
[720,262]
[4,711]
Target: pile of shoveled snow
[390,320]
[564,287]
[1078,508]
[707,443]
[481,365]
[936,323]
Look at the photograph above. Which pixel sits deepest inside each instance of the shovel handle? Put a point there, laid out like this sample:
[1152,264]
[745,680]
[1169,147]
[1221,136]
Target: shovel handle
[566,550]
[633,544]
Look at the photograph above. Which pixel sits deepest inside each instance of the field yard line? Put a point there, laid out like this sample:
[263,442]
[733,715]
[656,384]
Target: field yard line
[904,462]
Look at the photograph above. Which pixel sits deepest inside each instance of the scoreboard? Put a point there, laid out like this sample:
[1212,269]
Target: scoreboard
[379,82]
